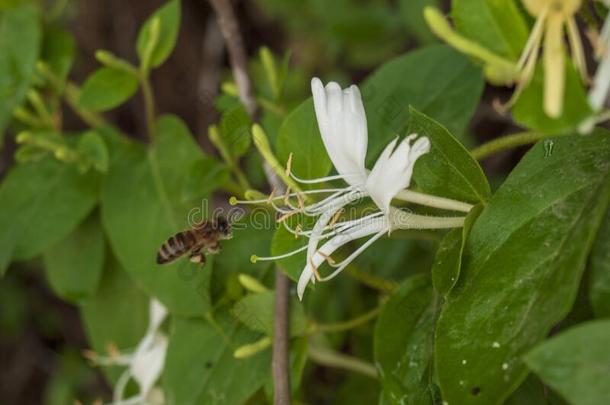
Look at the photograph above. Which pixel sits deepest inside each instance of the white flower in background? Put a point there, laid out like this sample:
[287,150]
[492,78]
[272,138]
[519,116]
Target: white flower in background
[598,93]
[551,17]
[342,122]
[144,364]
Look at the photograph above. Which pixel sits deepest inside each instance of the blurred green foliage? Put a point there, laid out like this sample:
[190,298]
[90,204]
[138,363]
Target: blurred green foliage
[463,316]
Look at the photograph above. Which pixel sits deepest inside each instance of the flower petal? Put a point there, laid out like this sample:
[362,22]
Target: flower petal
[158,312]
[367,227]
[342,122]
[148,361]
[393,170]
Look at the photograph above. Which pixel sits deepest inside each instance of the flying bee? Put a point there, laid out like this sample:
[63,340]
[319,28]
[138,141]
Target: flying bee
[196,242]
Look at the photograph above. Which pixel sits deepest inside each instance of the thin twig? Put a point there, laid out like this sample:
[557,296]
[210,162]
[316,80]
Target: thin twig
[208,82]
[237,54]
[239,64]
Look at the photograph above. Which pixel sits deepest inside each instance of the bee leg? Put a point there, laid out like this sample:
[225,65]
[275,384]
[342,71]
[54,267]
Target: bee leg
[213,248]
[197,257]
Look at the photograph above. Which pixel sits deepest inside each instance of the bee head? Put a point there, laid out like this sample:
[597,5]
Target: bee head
[224,227]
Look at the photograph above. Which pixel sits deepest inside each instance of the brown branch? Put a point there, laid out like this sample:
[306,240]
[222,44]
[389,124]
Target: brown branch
[239,64]
[237,54]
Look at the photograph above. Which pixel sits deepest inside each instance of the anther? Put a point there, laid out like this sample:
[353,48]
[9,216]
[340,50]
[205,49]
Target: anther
[272,195]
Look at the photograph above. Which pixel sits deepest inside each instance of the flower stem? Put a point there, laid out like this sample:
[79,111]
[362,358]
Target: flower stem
[433,201]
[346,325]
[506,142]
[70,93]
[218,142]
[407,220]
[149,105]
[331,358]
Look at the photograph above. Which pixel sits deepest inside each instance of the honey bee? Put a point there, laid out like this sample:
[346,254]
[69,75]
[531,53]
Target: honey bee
[196,242]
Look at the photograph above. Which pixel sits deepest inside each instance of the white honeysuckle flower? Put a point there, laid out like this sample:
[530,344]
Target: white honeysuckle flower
[144,364]
[342,123]
[375,226]
[343,128]
[393,170]
[553,19]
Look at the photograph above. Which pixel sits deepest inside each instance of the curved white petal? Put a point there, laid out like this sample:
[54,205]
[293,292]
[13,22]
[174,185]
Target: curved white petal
[157,314]
[148,361]
[342,122]
[393,170]
[368,226]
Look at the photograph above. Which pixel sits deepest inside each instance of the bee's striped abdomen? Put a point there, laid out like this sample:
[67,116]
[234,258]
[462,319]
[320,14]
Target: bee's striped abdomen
[176,246]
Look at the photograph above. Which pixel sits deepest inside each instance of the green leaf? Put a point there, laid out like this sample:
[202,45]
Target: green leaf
[74,265]
[521,267]
[532,391]
[58,50]
[200,367]
[116,315]
[412,12]
[599,265]
[448,260]
[576,363]
[498,25]
[169,17]
[435,80]
[235,130]
[299,135]
[528,110]
[20,37]
[92,148]
[147,197]
[107,88]
[40,204]
[404,336]
[256,311]
[448,170]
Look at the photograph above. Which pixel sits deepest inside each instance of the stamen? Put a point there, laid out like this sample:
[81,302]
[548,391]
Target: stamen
[286,216]
[289,164]
[287,195]
[314,269]
[326,257]
[577,49]
[112,350]
[532,41]
[272,195]
[299,232]
[279,209]
[336,217]
[301,202]
[255,258]
[318,180]
[234,201]
[353,256]
[90,355]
